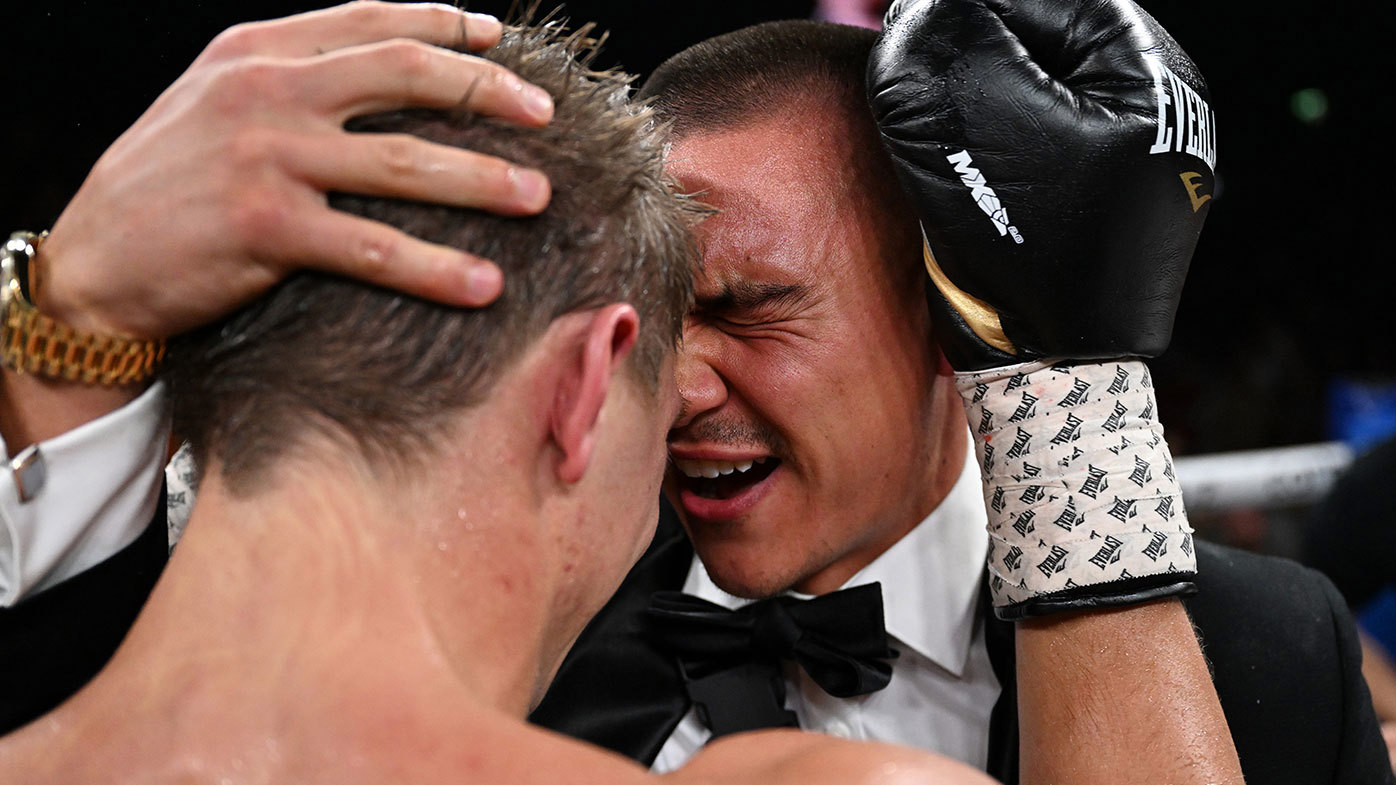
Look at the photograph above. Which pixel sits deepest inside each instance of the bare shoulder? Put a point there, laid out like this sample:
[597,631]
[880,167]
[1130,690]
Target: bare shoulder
[501,749]
[522,754]
[787,756]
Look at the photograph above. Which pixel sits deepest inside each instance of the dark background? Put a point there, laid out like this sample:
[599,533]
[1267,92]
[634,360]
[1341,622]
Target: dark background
[1290,288]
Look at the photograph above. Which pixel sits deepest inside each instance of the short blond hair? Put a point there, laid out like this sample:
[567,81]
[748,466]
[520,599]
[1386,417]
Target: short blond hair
[382,368]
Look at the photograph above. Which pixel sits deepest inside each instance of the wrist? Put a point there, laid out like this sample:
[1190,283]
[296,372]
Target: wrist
[68,301]
[1084,506]
[34,342]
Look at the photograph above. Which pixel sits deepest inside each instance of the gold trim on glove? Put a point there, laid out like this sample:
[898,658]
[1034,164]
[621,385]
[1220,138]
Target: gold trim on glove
[979,315]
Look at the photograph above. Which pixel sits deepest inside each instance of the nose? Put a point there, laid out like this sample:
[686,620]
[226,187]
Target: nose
[701,387]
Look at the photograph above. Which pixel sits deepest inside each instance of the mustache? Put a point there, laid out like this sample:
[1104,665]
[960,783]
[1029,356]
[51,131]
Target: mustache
[736,433]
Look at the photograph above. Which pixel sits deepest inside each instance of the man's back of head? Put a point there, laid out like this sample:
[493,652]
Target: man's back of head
[380,369]
[547,408]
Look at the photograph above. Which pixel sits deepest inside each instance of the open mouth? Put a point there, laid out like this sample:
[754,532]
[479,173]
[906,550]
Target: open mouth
[723,479]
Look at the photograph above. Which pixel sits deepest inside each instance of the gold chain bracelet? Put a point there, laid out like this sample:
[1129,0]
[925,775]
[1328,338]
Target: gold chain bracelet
[32,342]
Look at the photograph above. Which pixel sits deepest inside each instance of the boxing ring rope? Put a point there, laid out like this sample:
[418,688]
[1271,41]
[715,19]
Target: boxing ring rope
[1261,479]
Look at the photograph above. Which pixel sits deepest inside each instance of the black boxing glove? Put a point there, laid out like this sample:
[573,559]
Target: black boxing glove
[1060,155]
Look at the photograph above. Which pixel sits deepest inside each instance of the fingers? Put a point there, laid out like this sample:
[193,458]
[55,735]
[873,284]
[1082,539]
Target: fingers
[355,24]
[394,74]
[405,167]
[379,254]
[314,71]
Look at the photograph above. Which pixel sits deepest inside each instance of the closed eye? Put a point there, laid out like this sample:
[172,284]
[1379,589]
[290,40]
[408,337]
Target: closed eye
[743,304]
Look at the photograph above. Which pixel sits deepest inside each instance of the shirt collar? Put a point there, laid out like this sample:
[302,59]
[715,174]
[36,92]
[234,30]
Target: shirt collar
[930,577]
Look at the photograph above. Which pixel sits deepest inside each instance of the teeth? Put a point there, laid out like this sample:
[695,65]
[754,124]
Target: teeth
[712,469]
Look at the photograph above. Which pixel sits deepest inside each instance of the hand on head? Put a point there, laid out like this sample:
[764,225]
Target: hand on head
[219,190]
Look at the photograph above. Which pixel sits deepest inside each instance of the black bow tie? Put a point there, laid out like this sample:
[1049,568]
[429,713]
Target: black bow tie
[731,660]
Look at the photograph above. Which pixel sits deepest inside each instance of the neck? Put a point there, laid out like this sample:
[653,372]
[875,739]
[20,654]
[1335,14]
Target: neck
[318,614]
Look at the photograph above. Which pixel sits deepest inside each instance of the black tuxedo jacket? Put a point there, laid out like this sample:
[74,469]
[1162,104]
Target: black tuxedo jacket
[53,643]
[1281,643]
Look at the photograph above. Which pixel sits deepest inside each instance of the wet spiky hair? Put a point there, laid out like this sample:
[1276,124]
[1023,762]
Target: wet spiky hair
[381,368]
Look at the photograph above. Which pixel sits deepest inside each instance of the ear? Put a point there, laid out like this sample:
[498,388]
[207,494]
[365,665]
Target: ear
[605,341]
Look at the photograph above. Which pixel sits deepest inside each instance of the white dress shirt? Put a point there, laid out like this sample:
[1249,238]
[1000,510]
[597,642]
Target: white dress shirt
[101,484]
[943,687]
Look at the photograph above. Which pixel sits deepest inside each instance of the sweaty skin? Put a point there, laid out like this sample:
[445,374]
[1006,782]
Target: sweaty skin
[836,377]
[348,624]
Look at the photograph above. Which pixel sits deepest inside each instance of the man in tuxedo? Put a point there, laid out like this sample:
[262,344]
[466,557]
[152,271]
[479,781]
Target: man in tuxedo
[822,446]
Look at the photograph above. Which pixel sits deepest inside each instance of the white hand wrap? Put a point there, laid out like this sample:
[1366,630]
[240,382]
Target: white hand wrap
[1078,481]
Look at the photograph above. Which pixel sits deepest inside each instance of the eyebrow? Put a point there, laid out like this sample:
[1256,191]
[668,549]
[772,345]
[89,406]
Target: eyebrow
[748,296]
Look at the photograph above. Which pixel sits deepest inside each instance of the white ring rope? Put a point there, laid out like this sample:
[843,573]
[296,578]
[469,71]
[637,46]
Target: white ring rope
[1261,479]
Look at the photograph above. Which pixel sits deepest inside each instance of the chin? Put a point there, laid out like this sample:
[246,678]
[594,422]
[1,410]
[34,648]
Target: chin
[751,578]
[748,590]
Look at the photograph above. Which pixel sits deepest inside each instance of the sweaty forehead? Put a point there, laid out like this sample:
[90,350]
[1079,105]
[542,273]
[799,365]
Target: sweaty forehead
[781,191]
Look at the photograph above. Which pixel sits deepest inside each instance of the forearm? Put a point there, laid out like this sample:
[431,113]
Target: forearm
[1117,697]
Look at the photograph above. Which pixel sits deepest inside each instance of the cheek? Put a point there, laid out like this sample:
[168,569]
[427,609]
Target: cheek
[825,397]
[784,380]
[853,412]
